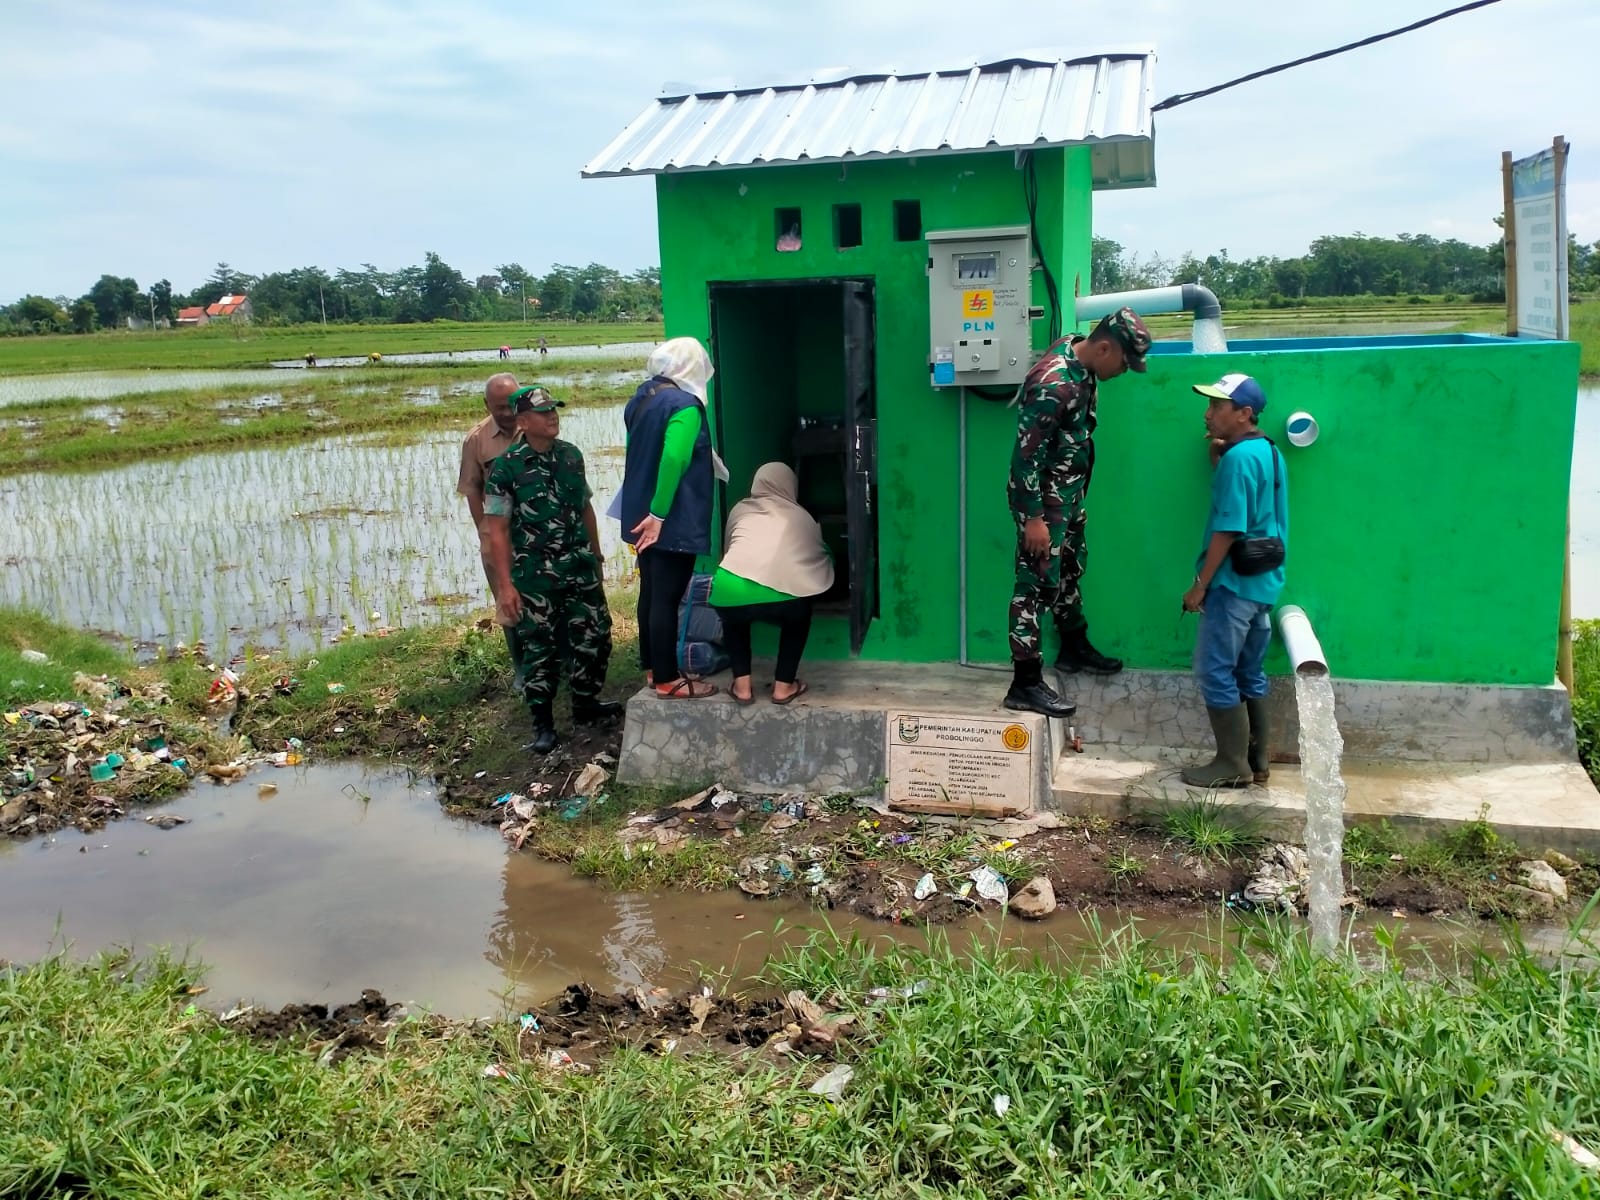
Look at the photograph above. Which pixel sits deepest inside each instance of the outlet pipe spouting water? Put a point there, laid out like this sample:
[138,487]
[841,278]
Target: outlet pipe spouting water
[1300,641]
[1207,337]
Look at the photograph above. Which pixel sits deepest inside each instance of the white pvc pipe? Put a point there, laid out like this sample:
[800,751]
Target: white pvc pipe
[1146,300]
[1300,640]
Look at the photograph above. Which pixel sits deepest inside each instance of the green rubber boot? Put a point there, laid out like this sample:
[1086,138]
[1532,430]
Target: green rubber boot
[1260,739]
[1231,766]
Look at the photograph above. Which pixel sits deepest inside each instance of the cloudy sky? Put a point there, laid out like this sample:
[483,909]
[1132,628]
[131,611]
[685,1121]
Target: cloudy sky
[154,140]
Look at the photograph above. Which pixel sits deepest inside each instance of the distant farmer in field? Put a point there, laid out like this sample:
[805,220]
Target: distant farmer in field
[505,352]
[487,441]
[1050,470]
[544,550]
[311,358]
[1237,579]
[544,346]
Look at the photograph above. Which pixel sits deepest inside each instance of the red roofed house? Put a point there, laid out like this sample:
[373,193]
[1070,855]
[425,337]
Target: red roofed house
[235,308]
[193,316]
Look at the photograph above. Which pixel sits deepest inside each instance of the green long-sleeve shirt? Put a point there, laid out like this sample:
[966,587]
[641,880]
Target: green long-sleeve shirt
[677,448]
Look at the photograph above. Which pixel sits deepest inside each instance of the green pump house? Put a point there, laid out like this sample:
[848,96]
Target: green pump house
[874,262]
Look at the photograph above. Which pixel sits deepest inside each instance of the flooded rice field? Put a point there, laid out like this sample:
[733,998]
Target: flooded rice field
[520,357]
[348,878]
[107,385]
[284,546]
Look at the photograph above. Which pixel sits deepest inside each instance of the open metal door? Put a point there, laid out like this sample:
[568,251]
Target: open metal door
[861,484]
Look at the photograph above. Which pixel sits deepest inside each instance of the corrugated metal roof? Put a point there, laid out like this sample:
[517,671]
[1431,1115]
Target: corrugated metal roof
[1017,104]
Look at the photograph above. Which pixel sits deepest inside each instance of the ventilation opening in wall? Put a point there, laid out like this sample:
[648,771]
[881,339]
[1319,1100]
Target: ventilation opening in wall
[908,220]
[846,226]
[787,221]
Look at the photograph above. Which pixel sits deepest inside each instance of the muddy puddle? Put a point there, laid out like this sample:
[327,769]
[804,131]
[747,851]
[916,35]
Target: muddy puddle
[349,878]
[282,546]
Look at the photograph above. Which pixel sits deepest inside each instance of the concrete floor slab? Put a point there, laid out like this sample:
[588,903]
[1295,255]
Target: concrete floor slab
[1536,804]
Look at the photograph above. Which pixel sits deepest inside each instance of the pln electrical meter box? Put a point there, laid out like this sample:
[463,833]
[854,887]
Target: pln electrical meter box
[979,293]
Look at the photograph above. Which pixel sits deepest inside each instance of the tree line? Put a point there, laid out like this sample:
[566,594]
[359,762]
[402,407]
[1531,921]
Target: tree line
[1338,266]
[433,291]
[1334,266]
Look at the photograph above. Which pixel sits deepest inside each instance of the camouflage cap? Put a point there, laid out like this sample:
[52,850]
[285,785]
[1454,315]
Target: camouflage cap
[534,398]
[1128,329]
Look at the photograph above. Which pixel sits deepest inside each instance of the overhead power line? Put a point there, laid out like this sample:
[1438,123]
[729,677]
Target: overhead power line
[1185,97]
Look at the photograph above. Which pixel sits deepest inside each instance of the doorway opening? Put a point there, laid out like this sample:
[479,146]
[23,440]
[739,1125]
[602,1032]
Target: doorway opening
[795,383]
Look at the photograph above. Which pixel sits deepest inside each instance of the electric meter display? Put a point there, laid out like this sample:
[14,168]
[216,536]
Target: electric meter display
[980,285]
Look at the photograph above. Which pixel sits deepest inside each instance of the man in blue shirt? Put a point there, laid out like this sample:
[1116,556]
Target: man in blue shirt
[1237,580]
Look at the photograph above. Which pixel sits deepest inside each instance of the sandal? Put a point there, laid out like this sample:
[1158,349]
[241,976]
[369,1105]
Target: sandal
[685,689]
[742,700]
[801,688]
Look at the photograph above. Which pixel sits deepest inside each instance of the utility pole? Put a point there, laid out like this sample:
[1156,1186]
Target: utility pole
[324,305]
[152,300]
[522,287]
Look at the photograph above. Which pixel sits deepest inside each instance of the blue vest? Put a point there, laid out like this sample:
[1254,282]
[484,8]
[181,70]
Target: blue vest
[687,526]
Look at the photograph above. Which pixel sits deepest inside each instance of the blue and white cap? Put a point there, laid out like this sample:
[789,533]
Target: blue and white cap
[1241,389]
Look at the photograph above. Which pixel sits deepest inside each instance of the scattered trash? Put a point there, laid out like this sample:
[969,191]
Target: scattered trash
[35,656]
[700,1008]
[480,774]
[1280,878]
[831,1086]
[100,772]
[226,772]
[166,820]
[806,1010]
[529,1022]
[590,780]
[266,789]
[920,987]
[689,803]
[1575,1150]
[925,887]
[496,1071]
[990,883]
[285,685]
[1542,877]
[336,689]
[560,1060]
[1002,1103]
[815,874]
[1002,846]
[222,691]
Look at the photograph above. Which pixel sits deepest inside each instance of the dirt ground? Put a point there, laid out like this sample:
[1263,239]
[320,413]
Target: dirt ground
[580,1027]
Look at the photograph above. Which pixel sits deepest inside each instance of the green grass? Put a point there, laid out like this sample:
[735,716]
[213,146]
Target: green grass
[59,435]
[68,651]
[1143,1074]
[258,345]
[1208,830]
[1586,692]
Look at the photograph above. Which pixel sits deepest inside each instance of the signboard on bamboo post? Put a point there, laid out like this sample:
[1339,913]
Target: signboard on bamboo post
[1536,242]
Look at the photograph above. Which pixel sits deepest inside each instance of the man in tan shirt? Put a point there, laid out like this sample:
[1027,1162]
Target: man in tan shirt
[487,441]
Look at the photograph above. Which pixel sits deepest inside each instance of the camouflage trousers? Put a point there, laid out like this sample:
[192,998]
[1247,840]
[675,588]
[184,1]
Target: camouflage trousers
[564,616]
[1048,583]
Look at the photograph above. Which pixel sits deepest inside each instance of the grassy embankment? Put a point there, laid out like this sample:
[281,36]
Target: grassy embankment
[435,698]
[258,345]
[52,434]
[1144,1074]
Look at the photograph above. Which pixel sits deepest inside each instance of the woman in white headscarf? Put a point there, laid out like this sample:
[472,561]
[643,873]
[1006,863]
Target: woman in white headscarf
[774,565]
[665,503]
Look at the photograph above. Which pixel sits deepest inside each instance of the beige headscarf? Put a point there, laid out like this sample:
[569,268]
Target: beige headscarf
[772,541]
[685,361]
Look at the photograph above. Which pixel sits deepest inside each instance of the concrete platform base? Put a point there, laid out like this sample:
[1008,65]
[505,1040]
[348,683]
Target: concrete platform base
[1538,805]
[1416,754]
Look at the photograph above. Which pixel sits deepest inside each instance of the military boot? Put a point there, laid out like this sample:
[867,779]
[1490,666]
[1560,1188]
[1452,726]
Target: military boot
[1260,739]
[1030,693]
[514,645]
[1078,655]
[1231,766]
[595,711]
[544,731]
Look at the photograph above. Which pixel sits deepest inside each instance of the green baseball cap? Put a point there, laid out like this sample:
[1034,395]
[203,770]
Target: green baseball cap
[1126,327]
[534,398]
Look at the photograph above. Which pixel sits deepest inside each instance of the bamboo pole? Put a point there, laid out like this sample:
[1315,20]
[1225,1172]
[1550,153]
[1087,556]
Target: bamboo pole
[1509,235]
[1564,625]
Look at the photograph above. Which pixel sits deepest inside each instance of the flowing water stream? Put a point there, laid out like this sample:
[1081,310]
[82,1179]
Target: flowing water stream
[1321,747]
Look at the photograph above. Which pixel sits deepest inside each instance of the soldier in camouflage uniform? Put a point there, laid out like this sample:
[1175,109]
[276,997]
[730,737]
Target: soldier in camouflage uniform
[1050,470]
[544,550]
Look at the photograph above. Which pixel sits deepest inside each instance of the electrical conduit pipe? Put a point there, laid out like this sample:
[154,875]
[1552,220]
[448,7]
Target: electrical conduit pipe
[1300,640]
